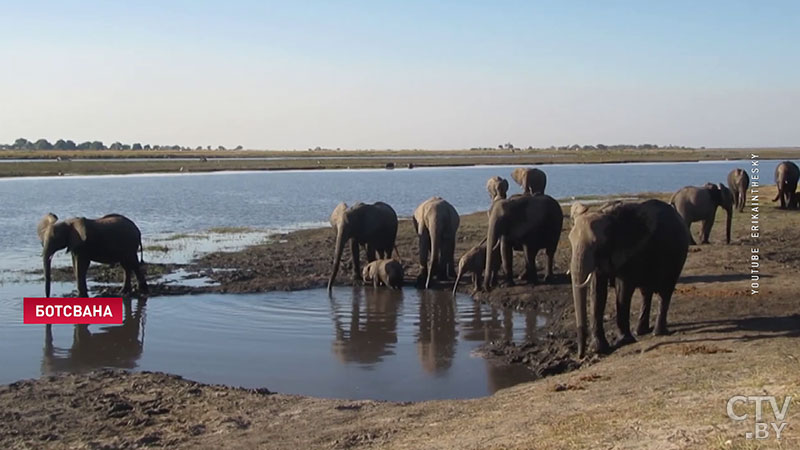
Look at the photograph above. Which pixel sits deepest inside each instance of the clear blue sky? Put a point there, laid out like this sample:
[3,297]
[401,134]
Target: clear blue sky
[379,74]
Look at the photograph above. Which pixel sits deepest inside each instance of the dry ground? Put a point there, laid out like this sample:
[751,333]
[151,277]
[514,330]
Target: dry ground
[659,393]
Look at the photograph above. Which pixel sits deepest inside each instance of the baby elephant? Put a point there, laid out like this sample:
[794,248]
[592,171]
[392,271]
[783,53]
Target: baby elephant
[474,263]
[386,271]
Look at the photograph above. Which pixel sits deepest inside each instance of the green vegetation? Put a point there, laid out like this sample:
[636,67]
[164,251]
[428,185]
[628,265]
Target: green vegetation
[157,248]
[229,230]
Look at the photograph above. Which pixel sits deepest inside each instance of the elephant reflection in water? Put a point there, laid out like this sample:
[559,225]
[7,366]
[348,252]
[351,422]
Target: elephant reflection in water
[118,346]
[372,330]
[497,327]
[494,327]
[436,340]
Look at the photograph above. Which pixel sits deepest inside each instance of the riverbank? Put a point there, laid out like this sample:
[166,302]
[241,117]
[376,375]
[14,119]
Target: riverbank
[661,392]
[24,163]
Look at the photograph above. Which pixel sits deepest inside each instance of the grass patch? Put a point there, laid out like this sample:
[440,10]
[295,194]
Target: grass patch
[230,230]
[157,248]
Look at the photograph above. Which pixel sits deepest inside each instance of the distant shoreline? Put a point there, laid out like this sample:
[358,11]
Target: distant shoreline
[24,163]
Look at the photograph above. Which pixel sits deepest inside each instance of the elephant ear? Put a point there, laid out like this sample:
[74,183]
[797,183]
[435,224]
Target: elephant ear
[45,225]
[630,231]
[518,174]
[338,214]
[577,209]
[77,234]
[726,196]
[714,192]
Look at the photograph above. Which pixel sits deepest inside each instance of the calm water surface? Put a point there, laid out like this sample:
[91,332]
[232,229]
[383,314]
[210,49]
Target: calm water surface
[364,344]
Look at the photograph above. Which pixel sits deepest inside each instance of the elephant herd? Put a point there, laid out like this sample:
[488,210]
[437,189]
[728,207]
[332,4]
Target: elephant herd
[628,246]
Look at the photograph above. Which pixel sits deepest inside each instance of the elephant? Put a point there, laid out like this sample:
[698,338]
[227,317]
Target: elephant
[642,245]
[436,223]
[532,181]
[695,203]
[532,222]
[473,262]
[374,226]
[386,271]
[786,176]
[119,346]
[365,331]
[738,182]
[110,239]
[497,187]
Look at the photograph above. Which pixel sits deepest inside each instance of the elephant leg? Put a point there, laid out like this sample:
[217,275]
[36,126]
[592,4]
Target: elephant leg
[477,281]
[644,316]
[371,253]
[689,227]
[356,261]
[424,248]
[126,284]
[140,278]
[661,321]
[531,273]
[624,293]
[507,258]
[449,258]
[81,266]
[599,308]
[551,253]
[706,230]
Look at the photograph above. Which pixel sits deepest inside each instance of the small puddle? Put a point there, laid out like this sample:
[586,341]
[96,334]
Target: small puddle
[363,343]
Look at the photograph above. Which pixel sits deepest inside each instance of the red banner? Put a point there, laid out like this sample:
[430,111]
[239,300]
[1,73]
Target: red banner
[79,310]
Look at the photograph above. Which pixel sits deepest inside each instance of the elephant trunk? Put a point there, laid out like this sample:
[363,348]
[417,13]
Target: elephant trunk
[458,278]
[581,270]
[337,257]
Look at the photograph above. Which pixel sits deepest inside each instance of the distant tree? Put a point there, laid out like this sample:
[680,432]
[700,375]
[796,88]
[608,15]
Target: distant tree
[43,144]
[97,145]
[239,147]
[156,147]
[60,144]
[175,147]
[602,147]
[208,147]
[136,146]
[84,145]
[147,147]
[126,146]
[115,146]
[199,147]
[221,148]
[22,144]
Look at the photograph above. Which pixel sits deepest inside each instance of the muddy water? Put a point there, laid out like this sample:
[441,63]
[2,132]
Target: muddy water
[363,343]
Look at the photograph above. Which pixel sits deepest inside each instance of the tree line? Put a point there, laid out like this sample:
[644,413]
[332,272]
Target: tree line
[511,147]
[68,144]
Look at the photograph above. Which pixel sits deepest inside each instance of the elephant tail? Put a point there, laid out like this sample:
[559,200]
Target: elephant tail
[141,252]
